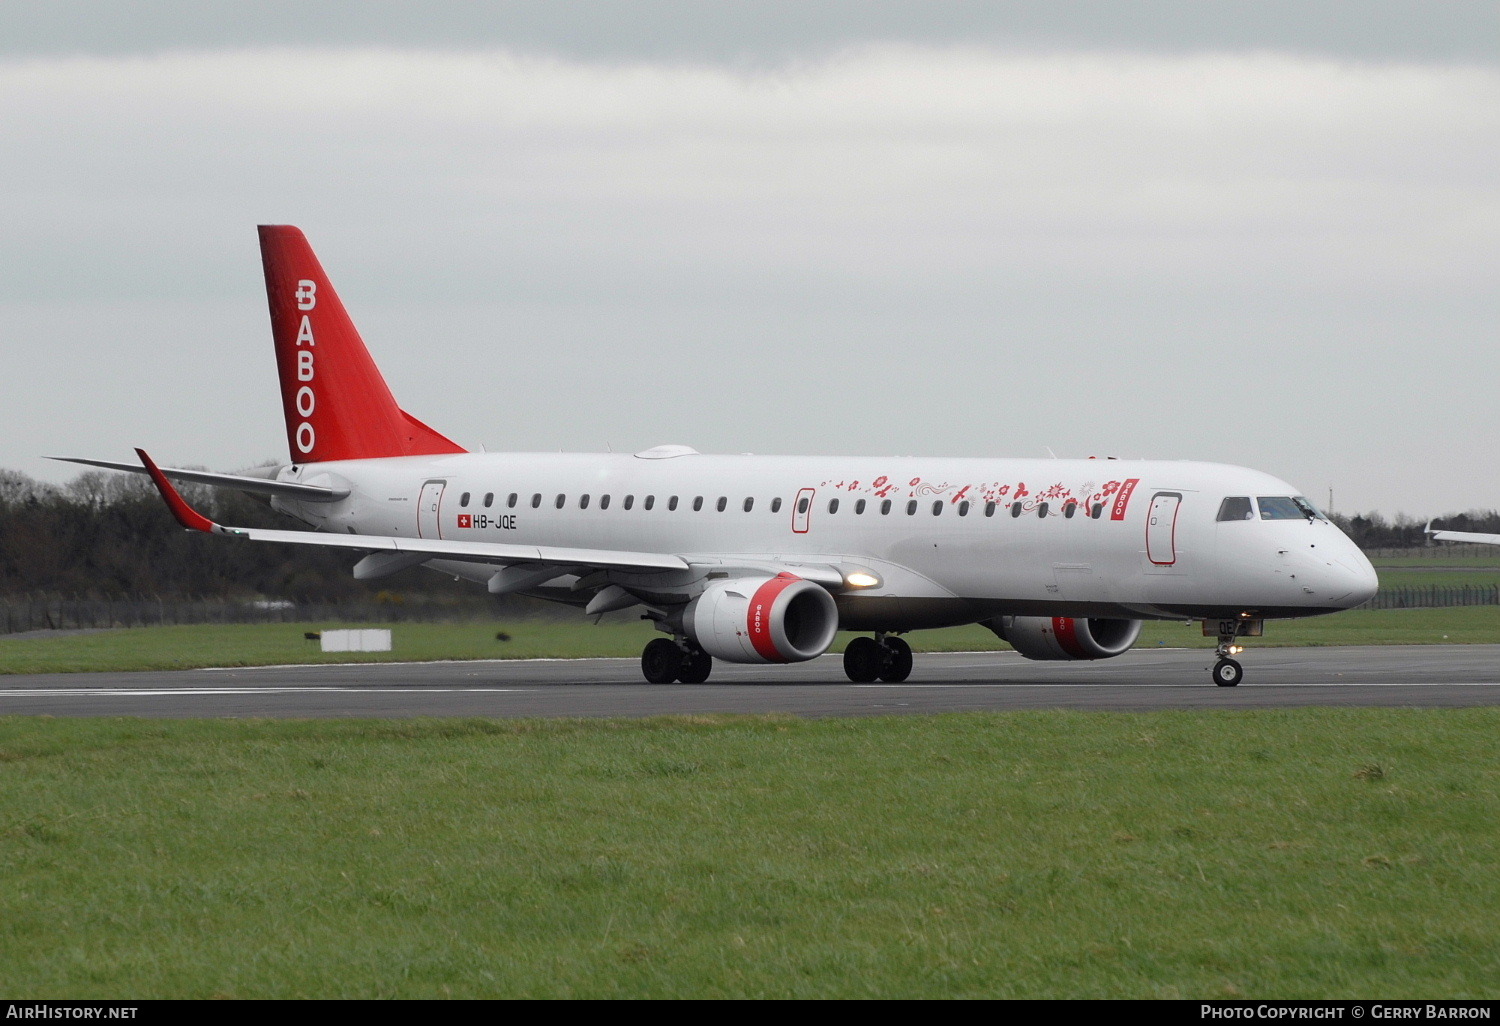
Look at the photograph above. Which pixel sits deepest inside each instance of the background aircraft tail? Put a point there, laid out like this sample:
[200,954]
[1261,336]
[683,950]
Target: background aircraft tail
[337,404]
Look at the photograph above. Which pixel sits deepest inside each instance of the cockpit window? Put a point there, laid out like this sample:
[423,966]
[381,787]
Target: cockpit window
[1287,507]
[1236,507]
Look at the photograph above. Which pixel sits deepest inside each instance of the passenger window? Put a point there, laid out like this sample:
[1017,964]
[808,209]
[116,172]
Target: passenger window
[859,507]
[463,500]
[697,503]
[963,508]
[1069,508]
[1098,510]
[649,503]
[583,502]
[604,502]
[629,501]
[749,505]
[989,509]
[776,504]
[672,503]
[911,508]
[833,505]
[937,508]
[1236,507]
[489,499]
[536,501]
[561,499]
[802,504]
[511,502]
[723,503]
[1015,509]
[1041,509]
[885,507]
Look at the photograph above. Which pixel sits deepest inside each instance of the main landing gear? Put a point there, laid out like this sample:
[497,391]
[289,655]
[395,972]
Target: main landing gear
[881,657]
[664,661]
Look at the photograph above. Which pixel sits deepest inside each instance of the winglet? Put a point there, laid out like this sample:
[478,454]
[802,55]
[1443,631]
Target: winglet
[186,515]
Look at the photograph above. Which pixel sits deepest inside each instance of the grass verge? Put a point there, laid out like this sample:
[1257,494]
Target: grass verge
[1271,854]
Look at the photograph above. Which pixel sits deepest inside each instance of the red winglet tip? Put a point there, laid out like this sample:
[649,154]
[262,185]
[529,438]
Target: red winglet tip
[186,515]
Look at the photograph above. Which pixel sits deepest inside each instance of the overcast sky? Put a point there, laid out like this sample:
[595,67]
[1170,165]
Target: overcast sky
[1264,233]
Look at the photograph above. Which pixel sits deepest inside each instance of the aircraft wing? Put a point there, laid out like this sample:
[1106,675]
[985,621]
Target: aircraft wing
[262,485]
[386,554]
[426,548]
[1472,537]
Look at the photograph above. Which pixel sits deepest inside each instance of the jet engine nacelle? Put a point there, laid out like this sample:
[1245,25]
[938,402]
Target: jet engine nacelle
[781,619]
[1063,637]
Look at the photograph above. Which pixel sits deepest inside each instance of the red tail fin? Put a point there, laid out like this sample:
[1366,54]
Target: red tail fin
[337,405]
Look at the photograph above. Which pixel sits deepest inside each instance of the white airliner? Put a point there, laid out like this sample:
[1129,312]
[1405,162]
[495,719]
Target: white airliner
[761,559]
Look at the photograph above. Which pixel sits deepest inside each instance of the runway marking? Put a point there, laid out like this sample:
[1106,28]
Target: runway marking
[388,662]
[1194,684]
[161,692]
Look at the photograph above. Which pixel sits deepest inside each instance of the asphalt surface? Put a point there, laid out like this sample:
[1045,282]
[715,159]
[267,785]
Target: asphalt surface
[1417,676]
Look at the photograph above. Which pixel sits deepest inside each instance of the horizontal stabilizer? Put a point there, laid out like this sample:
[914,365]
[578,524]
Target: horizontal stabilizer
[259,485]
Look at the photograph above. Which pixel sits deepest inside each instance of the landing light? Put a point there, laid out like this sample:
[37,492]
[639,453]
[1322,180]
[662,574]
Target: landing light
[1236,649]
[861,579]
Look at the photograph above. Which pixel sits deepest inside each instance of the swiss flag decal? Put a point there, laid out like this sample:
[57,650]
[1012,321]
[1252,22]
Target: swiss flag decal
[465,520]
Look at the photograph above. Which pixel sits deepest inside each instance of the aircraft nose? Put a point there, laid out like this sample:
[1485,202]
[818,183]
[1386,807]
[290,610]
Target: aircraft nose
[1357,575]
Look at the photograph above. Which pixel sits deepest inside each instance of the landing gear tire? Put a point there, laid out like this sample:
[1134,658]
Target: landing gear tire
[696,666]
[661,661]
[1227,673]
[897,661]
[862,660]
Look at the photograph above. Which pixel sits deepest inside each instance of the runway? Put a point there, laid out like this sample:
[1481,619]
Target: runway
[1418,676]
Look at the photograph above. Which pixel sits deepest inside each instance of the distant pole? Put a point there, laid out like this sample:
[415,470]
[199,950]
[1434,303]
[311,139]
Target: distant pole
[1330,498]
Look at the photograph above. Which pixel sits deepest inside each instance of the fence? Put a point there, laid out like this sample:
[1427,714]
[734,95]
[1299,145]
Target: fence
[1435,596]
[56,612]
[1439,551]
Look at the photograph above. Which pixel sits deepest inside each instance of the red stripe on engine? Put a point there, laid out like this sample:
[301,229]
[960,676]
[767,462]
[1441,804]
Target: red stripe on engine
[758,616]
[1066,633]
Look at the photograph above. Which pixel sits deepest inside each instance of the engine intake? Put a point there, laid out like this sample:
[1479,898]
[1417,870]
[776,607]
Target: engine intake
[1063,637]
[781,619]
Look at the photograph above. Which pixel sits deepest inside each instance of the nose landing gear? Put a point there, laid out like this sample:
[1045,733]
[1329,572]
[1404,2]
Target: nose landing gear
[881,657]
[1227,672]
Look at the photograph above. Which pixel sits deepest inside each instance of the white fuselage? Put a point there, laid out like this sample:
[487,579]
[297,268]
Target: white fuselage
[949,540]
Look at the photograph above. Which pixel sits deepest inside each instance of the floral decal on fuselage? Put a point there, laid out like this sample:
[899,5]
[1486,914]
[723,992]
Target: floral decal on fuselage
[1053,500]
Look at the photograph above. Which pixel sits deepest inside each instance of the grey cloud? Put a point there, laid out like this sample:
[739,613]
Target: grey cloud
[758,32]
[1258,258]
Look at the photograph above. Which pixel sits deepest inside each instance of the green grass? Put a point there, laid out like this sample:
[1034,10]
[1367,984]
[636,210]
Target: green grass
[169,648]
[1328,854]
[1486,557]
